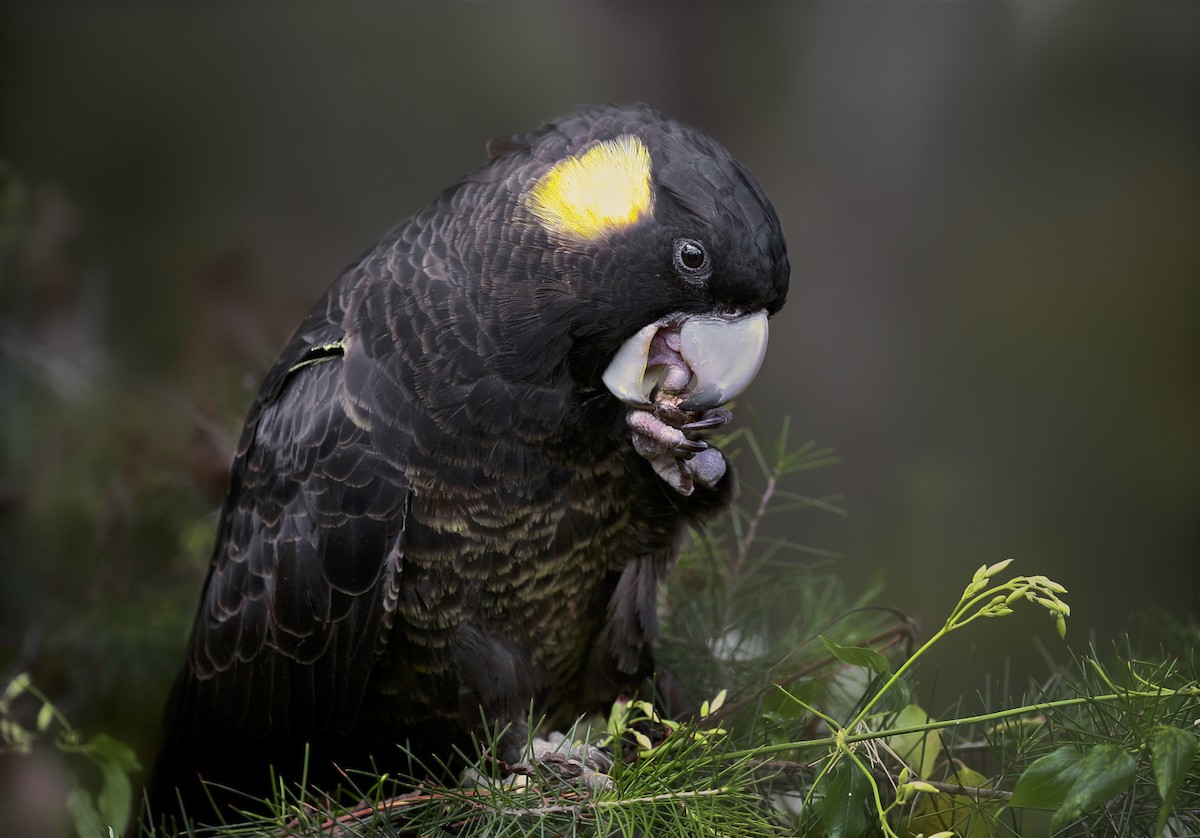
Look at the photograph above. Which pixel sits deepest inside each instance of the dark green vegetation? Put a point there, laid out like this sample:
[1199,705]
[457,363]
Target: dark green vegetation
[813,731]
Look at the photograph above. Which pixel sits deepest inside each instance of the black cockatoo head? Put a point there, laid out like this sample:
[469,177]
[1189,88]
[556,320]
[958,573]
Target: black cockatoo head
[653,256]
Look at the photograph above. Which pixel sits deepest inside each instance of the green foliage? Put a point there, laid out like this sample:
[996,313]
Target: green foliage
[810,728]
[1073,782]
[843,790]
[105,521]
[1117,755]
[857,656]
[104,806]
[1172,752]
[107,552]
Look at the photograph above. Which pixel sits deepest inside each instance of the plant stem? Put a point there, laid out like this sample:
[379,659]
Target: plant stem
[752,527]
[974,792]
[827,741]
[862,714]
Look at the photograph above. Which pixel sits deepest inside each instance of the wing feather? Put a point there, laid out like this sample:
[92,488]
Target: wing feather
[296,607]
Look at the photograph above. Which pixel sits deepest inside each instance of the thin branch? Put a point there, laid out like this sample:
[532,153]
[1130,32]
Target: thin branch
[824,742]
[752,528]
[976,793]
[570,803]
[592,803]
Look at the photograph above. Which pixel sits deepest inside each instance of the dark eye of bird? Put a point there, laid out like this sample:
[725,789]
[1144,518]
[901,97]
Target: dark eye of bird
[690,256]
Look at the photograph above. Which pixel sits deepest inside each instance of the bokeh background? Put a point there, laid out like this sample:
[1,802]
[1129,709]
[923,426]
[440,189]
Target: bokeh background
[993,213]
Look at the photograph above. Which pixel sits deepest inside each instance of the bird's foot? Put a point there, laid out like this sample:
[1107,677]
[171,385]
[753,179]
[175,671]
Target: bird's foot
[674,451]
[558,758]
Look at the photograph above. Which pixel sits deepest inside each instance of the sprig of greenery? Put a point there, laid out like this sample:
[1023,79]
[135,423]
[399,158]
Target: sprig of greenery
[983,597]
[107,810]
[1072,781]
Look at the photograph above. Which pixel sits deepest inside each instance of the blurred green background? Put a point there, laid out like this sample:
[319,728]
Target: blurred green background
[993,214]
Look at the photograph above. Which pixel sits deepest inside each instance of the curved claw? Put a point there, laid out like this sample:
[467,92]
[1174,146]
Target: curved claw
[715,419]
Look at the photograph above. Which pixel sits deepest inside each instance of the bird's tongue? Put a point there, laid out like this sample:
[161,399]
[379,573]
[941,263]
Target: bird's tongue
[664,365]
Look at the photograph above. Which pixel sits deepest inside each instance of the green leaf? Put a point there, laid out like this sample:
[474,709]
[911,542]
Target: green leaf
[1045,783]
[115,800]
[843,812]
[83,813]
[113,806]
[103,749]
[898,696]
[921,749]
[1075,783]
[1103,773]
[15,737]
[859,656]
[45,717]
[1172,752]
[14,688]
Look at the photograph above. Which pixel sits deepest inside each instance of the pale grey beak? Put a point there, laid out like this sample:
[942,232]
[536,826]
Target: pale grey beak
[708,360]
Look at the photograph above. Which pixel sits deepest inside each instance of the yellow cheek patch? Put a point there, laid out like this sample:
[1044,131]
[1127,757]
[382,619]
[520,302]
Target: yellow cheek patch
[605,189]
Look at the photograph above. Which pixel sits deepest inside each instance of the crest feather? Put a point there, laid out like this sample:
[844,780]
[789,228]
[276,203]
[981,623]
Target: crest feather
[590,195]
